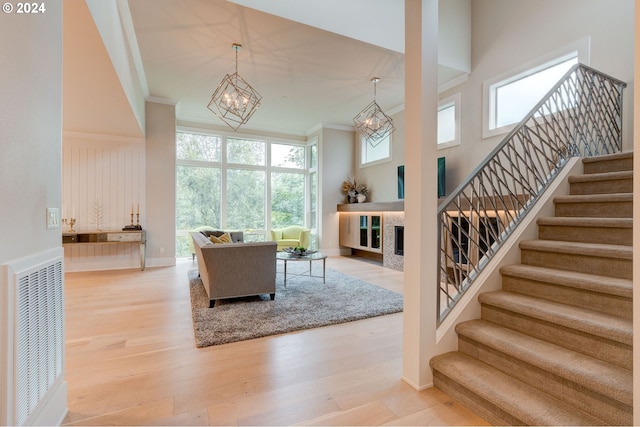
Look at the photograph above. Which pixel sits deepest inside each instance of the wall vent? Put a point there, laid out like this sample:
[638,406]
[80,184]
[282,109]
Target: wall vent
[35,345]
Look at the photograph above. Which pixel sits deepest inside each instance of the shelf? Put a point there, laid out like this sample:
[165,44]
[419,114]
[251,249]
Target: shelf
[397,206]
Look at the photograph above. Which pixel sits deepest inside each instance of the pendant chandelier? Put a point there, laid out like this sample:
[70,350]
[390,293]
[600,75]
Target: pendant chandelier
[372,122]
[234,101]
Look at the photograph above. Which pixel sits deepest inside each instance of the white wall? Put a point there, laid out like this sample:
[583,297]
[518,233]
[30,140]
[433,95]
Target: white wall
[509,33]
[30,152]
[505,35]
[335,161]
[106,16]
[30,130]
[382,179]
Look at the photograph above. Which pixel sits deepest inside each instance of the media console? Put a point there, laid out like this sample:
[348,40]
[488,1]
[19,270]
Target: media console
[108,238]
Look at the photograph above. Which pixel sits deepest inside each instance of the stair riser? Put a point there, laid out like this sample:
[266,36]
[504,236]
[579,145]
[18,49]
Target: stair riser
[604,407]
[603,235]
[602,187]
[595,209]
[473,401]
[615,165]
[613,267]
[603,303]
[613,352]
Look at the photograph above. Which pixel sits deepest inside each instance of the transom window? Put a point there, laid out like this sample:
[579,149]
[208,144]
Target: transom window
[509,100]
[370,155]
[449,121]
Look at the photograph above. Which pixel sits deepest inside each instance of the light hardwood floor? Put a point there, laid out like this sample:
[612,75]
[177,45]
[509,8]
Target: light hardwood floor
[131,360]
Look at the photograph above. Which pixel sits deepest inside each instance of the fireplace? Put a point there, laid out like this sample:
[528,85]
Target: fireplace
[399,240]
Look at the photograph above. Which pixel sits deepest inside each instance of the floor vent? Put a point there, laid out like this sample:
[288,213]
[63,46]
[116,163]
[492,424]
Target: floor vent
[35,347]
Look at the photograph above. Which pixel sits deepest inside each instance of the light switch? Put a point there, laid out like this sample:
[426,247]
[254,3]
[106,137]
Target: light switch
[53,218]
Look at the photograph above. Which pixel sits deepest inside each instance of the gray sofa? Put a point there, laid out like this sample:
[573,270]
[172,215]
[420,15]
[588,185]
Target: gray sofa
[235,269]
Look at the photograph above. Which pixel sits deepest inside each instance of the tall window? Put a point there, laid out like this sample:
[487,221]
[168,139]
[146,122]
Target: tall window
[237,184]
[287,185]
[509,100]
[313,192]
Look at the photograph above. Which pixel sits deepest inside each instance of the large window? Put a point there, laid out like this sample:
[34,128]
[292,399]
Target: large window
[508,100]
[238,184]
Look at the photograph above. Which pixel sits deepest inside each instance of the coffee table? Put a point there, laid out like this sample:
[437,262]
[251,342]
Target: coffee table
[316,256]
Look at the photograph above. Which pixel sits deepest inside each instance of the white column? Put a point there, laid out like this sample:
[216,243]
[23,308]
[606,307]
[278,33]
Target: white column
[420,268]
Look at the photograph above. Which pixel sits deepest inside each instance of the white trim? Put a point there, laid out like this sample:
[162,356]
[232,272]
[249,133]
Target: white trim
[102,137]
[334,126]
[453,82]
[161,100]
[216,125]
[52,409]
[132,41]
[239,135]
[580,48]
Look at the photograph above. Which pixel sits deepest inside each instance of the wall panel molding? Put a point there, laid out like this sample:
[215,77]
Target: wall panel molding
[102,174]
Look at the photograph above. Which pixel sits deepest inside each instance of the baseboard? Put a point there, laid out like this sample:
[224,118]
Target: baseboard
[52,408]
[367,254]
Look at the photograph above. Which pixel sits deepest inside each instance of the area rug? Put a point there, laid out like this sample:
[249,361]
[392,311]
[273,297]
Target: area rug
[305,303]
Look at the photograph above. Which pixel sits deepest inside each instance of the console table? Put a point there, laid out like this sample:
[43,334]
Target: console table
[108,238]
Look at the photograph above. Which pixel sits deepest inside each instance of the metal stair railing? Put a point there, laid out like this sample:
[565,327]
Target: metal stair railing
[580,116]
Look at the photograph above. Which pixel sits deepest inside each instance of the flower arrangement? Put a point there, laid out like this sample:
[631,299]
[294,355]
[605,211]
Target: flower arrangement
[352,189]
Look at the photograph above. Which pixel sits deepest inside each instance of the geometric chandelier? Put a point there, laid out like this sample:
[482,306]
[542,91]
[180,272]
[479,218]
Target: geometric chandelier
[372,122]
[234,101]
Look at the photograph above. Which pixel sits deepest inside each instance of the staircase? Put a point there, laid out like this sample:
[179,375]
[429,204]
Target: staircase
[554,346]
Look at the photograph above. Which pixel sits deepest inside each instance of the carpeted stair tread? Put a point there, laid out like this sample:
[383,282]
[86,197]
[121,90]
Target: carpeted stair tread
[526,403]
[612,231]
[579,248]
[595,198]
[601,176]
[586,321]
[591,282]
[593,374]
[608,162]
[586,222]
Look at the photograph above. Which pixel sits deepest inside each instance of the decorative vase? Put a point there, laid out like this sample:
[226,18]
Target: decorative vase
[361,198]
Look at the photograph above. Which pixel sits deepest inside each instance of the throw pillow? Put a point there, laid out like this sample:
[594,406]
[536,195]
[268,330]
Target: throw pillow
[215,239]
[226,238]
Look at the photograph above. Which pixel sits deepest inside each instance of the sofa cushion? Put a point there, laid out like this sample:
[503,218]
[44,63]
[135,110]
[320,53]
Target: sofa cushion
[286,243]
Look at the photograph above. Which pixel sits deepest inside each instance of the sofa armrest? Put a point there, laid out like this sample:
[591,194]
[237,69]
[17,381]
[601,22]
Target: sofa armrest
[305,238]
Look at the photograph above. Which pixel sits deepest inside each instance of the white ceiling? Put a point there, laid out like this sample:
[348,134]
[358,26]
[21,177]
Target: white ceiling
[305,75]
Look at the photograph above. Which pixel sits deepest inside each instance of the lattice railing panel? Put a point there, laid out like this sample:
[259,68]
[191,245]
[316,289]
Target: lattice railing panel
[580,116]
